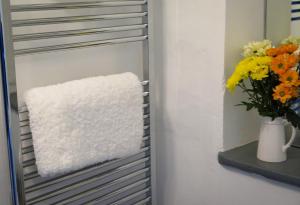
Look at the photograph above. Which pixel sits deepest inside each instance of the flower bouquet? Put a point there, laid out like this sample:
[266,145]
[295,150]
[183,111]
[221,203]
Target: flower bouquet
[269,76]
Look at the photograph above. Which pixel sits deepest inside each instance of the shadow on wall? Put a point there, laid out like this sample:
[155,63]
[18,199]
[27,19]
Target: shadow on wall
[240,126]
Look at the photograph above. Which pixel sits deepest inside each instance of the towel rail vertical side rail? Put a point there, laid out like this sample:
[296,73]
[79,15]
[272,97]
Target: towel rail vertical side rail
[149,73]
[10,99]
[146,70]
[151,76]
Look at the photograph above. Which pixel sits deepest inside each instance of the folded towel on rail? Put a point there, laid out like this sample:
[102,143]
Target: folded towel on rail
[83,122]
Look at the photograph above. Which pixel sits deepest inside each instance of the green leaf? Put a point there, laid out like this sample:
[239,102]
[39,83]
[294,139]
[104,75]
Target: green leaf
[293,118]
[249,107]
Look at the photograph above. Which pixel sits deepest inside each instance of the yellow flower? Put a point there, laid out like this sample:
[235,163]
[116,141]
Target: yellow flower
[260,68]
[261,73]
[255,67]
[232,82]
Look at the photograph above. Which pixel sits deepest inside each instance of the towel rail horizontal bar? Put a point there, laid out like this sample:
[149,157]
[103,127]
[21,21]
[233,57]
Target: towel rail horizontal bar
[29,177]
[112,186]
[130,197]
[30,149]
[32,172]
[26,136]
[28,170]
[115,194]
[27,132]
[145,82]
[143,202]
[73,19]
[27,145]
[123,192]
[27,150]
[107,166]
[52,191]
[85,176]
[24,119]
[29,163]
[142,171]
[23,109]
[62,197]
[79,45]
[77,32]
[25,122]
[75,5]
[30,156]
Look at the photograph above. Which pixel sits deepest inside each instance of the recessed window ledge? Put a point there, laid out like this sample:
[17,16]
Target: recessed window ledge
[244,158]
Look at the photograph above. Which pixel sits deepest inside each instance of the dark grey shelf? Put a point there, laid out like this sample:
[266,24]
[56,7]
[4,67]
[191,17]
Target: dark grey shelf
[244,158]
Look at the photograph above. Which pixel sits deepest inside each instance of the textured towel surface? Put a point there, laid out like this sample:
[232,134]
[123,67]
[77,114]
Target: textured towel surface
[82,122]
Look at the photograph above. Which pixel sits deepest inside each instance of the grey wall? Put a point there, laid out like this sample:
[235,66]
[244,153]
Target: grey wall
[278,20]
[240,126]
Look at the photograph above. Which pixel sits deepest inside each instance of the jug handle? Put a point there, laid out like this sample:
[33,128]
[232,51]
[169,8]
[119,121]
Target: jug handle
[285,147]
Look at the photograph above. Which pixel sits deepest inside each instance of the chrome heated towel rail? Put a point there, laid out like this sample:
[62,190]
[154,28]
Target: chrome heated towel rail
[122,181]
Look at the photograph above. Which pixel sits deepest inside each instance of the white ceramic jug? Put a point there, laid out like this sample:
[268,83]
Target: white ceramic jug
[271,145]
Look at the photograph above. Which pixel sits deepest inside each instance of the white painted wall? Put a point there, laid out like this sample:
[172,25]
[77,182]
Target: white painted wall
[190,62]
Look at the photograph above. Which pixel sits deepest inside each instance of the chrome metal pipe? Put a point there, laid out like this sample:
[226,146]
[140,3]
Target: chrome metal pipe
[77,32]
[145,82]
[23,109]
[73,19]
[75,5]
[10,101]
[79,45]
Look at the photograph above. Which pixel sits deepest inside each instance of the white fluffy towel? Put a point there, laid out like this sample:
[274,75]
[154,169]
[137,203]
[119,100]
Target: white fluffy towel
[83,122]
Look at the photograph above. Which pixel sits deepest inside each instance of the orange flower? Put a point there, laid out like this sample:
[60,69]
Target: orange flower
[292,60]
[289,48]
[291,77]
[272,52]
[282,63]
[284,92]
[295,92]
